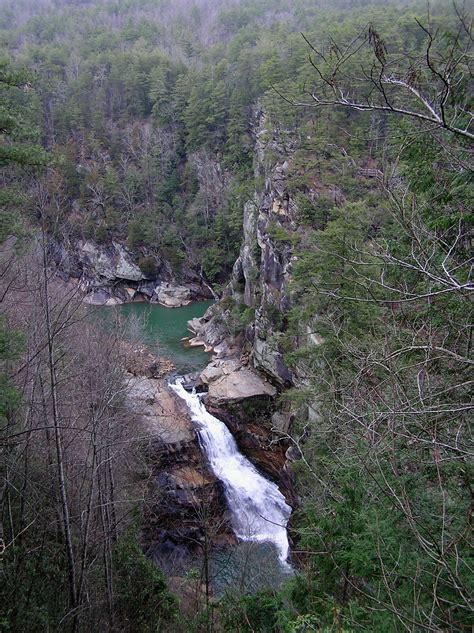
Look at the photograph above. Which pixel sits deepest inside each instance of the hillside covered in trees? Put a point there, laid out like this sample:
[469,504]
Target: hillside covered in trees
[309,163]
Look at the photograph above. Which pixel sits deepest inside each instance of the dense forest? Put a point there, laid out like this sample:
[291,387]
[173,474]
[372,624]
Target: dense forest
[345,127]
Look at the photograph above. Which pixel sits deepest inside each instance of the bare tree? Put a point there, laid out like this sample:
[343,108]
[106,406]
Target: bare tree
[68,449]
[431,86]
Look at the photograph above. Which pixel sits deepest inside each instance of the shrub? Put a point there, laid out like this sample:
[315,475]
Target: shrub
[148,266]
[143,600]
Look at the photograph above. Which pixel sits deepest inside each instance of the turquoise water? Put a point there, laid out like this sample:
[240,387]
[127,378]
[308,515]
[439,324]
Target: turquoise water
[248,567]
[161,329]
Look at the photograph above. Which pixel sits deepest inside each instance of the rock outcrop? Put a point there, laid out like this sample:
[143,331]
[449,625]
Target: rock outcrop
[248,365]
[262,273]
[107,263]
[261,283]
[250,423]
[172,296]
[239,385]
[185,498]
[111,274]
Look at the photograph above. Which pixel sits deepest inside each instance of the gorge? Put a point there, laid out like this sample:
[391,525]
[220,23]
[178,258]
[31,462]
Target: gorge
[236,341]
[257,509]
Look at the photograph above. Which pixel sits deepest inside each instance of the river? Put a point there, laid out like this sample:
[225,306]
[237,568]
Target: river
[162,329]
[259,512]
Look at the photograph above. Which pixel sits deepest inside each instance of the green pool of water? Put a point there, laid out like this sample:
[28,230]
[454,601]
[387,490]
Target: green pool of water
[246,567]
[161,329]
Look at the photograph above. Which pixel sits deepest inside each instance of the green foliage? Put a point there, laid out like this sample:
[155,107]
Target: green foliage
[131,114]
[9,397]
[143,600]
[237,314]
[35,595]
[274,314]
[376,488]
[148,266]
[17,150]
[313,214]
[32,588]
[17,117]
[252,613]
[11,345]
[280,234]
[213,263]
[172,248]
[18,147]
[140,233]
[155,145]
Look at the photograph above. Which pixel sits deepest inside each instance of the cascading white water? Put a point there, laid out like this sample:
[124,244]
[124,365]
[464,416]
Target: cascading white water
[258,509]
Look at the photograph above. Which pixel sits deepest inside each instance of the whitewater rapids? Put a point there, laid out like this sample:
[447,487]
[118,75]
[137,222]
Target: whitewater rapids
[258,510]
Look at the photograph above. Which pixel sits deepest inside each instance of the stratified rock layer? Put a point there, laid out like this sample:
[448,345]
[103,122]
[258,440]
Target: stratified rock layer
[185,498]
[237,386]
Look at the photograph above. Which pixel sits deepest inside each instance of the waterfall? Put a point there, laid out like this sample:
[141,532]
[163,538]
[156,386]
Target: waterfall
[258,510]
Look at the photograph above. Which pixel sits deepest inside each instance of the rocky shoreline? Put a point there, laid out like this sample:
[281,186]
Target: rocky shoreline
[244,398]
[185,505]
[111,274]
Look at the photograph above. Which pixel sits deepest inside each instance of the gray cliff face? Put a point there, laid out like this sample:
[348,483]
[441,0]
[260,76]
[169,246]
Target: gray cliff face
[246,268]
[262,273]
[110,274]
[248,367]
[275,217]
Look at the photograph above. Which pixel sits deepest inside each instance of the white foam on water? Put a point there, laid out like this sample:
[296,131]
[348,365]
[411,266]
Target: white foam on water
[258,509]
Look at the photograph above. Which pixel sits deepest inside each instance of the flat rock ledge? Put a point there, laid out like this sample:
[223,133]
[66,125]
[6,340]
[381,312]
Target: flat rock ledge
[228,377]
[171,296]
[166,294]
[236,386]
[166,421]
[181,484]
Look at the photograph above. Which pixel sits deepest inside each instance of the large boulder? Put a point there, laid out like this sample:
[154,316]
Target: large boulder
[268,358]
[163,415]
[218,368]
[125,267]
[107,263]
[172,296]
[98,297]
[96,261]
[239,385]
[212,332]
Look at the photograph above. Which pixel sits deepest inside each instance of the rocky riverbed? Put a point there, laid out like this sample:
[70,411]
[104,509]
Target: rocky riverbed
[184,499]
[185,506]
